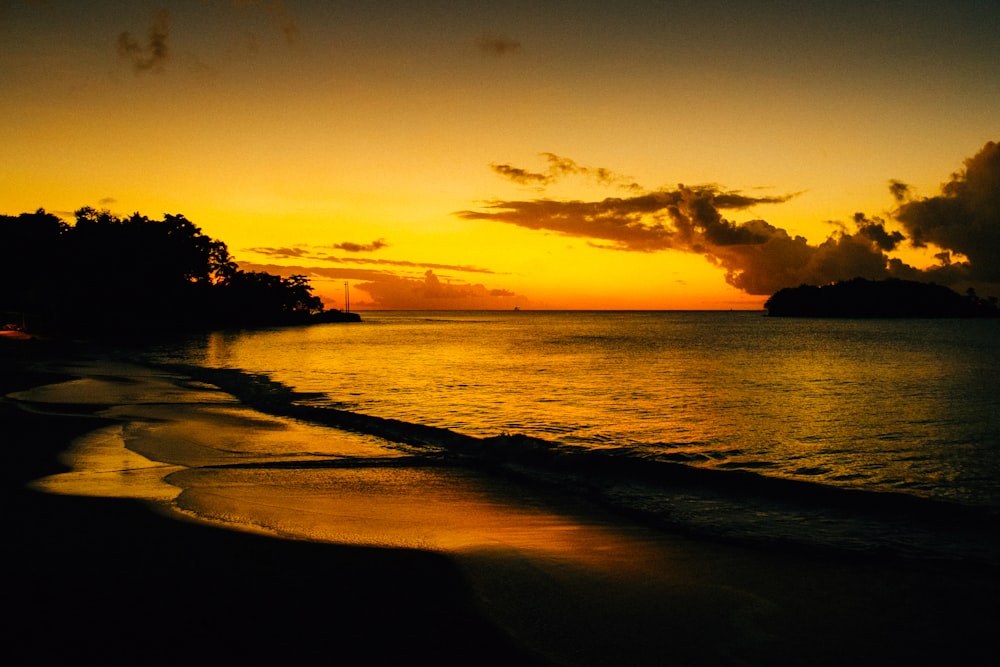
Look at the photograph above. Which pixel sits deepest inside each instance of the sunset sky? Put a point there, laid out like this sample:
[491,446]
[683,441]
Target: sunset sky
[438,155]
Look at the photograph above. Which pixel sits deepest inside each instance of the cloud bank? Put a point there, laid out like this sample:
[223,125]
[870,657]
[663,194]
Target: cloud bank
[965,217]
[390,283]
[430,292]
[758,257]
[961,224]
[390,290]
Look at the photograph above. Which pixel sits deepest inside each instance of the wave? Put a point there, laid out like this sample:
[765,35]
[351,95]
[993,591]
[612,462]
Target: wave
[665,489]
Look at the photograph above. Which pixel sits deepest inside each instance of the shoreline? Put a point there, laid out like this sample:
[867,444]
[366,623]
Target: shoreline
[650,597]
[110,581]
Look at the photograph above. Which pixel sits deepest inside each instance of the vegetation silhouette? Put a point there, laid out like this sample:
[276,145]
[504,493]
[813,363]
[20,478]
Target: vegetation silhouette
[892,298]
[106,274]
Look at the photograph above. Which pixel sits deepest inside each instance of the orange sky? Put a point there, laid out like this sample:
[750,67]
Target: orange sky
[435,155]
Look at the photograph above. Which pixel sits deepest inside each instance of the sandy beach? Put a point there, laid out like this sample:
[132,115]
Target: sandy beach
[393,562]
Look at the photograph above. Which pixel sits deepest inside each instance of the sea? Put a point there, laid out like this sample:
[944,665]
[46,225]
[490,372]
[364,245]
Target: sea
[873,436]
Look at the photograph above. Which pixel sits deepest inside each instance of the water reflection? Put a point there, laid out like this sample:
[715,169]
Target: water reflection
[878,403]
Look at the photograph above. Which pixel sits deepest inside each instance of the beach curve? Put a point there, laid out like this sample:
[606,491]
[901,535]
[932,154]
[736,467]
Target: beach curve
[570,582]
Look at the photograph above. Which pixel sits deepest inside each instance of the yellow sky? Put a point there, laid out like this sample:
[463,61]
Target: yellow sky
[300,133]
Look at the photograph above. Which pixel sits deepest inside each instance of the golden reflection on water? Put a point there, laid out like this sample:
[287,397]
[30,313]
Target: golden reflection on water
[871,404]
[437,509]
[196,451]
[103,467]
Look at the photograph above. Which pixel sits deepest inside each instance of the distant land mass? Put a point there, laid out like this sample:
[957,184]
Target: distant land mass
[878,298]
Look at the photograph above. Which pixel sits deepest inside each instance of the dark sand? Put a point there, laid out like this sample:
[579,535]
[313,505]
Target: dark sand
[108,581]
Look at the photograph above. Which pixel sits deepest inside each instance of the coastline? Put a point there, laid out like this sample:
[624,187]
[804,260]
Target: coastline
[108,581]
[117,580]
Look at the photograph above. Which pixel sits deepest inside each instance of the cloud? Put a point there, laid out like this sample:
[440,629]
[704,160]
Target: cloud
[874,229]
[521,176]
[759,258]
[781,260]
[560,167]
[318,272]
[283,252]
[965,217]
[153,55]
[349,246]
[900,191]
[301,252]
[498,46]
[431,293]
[685,218]
[391,291]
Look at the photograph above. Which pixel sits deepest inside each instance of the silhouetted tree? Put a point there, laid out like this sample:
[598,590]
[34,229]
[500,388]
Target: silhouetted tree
[264,297]
[31,250]
[134,273]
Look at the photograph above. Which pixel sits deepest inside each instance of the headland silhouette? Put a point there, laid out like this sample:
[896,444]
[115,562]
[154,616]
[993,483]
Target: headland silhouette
[110,275]
[892,298]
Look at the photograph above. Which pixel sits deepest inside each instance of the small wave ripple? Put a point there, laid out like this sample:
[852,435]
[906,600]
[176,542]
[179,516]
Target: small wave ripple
[671,489]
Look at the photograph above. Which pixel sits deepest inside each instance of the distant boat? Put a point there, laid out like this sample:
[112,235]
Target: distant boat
[517,307]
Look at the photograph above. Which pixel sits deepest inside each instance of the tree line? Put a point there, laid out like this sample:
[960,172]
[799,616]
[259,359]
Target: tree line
[104,273]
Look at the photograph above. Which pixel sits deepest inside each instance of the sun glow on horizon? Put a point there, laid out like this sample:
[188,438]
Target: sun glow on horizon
[500,157]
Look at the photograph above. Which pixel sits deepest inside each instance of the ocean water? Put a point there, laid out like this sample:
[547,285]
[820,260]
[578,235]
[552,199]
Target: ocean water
[878,435]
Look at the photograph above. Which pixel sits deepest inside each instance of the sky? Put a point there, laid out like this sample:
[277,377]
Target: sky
[542,155]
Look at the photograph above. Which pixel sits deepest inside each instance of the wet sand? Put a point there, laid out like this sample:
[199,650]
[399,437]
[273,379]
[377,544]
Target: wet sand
[94,580]
[402,562]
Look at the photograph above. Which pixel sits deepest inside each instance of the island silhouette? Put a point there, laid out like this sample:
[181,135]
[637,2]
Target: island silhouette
[106,274]
[891,298]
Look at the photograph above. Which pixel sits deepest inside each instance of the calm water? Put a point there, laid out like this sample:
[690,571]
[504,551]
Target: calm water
[901,405]
[887,406]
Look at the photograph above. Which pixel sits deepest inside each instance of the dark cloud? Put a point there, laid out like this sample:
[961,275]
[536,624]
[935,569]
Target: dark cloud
[900,191]
[760,258]
[944,257]
[283,252]
[965,217]
[153,55]
[785,261]
[498,46]
[874,229]
[756,256]
[521,176]
[685,218]
[349,246]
